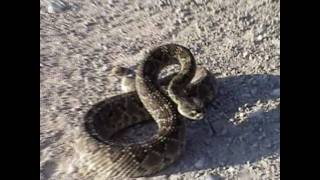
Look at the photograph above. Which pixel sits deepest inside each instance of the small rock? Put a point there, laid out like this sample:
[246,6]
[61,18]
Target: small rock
[244,174]
[212,177]
[257,114]
[276,42]
[276,92]
[251,57]
[175,177]
[58,6]
[254,145]
[231,169]
[224,131]
[241,138]
[199,163]
[269,145]
[244,54]
[259,38]
[198,2]
[242,115]
[260,29]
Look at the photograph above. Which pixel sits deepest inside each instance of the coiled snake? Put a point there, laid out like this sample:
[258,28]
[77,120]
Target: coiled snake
[103,158]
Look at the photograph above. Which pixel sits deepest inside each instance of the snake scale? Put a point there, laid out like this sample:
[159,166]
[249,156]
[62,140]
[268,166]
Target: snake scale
[185,95]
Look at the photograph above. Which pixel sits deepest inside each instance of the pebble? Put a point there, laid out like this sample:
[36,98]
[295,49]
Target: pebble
[254,145]
[246,95]
[254,91]
[251,57]
[257,114]
[231,169]
[276,92]
[245,174]
[244,54]
[242,115]
[57,6]
[240,109]
[260,29]
[259,38]
[199,163]
[224,131]
[212,177]
[198,2]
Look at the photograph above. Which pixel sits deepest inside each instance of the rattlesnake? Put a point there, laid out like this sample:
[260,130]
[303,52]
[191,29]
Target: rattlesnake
[103,158]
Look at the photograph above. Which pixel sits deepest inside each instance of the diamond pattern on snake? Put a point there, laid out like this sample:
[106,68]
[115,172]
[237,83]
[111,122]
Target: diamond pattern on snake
[169,102]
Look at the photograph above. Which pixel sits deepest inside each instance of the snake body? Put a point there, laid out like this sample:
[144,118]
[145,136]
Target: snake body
[104,158]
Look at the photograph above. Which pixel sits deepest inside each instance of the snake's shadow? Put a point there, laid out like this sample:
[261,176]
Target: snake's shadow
[255,137]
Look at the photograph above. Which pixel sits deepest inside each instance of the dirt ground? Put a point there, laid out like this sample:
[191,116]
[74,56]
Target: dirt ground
[239,40]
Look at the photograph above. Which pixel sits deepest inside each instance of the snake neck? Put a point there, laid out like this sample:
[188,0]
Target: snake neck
[158,104]
[187,71]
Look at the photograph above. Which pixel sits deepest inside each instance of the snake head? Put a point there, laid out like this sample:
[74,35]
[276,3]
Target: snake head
[192,109]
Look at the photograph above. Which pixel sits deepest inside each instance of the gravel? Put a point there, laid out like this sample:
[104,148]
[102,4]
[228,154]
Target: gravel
[239,40]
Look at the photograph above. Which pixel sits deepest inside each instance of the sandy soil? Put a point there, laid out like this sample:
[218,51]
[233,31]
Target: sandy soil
[237,39]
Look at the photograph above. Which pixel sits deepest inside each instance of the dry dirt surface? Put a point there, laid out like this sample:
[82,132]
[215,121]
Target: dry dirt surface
[239,40]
